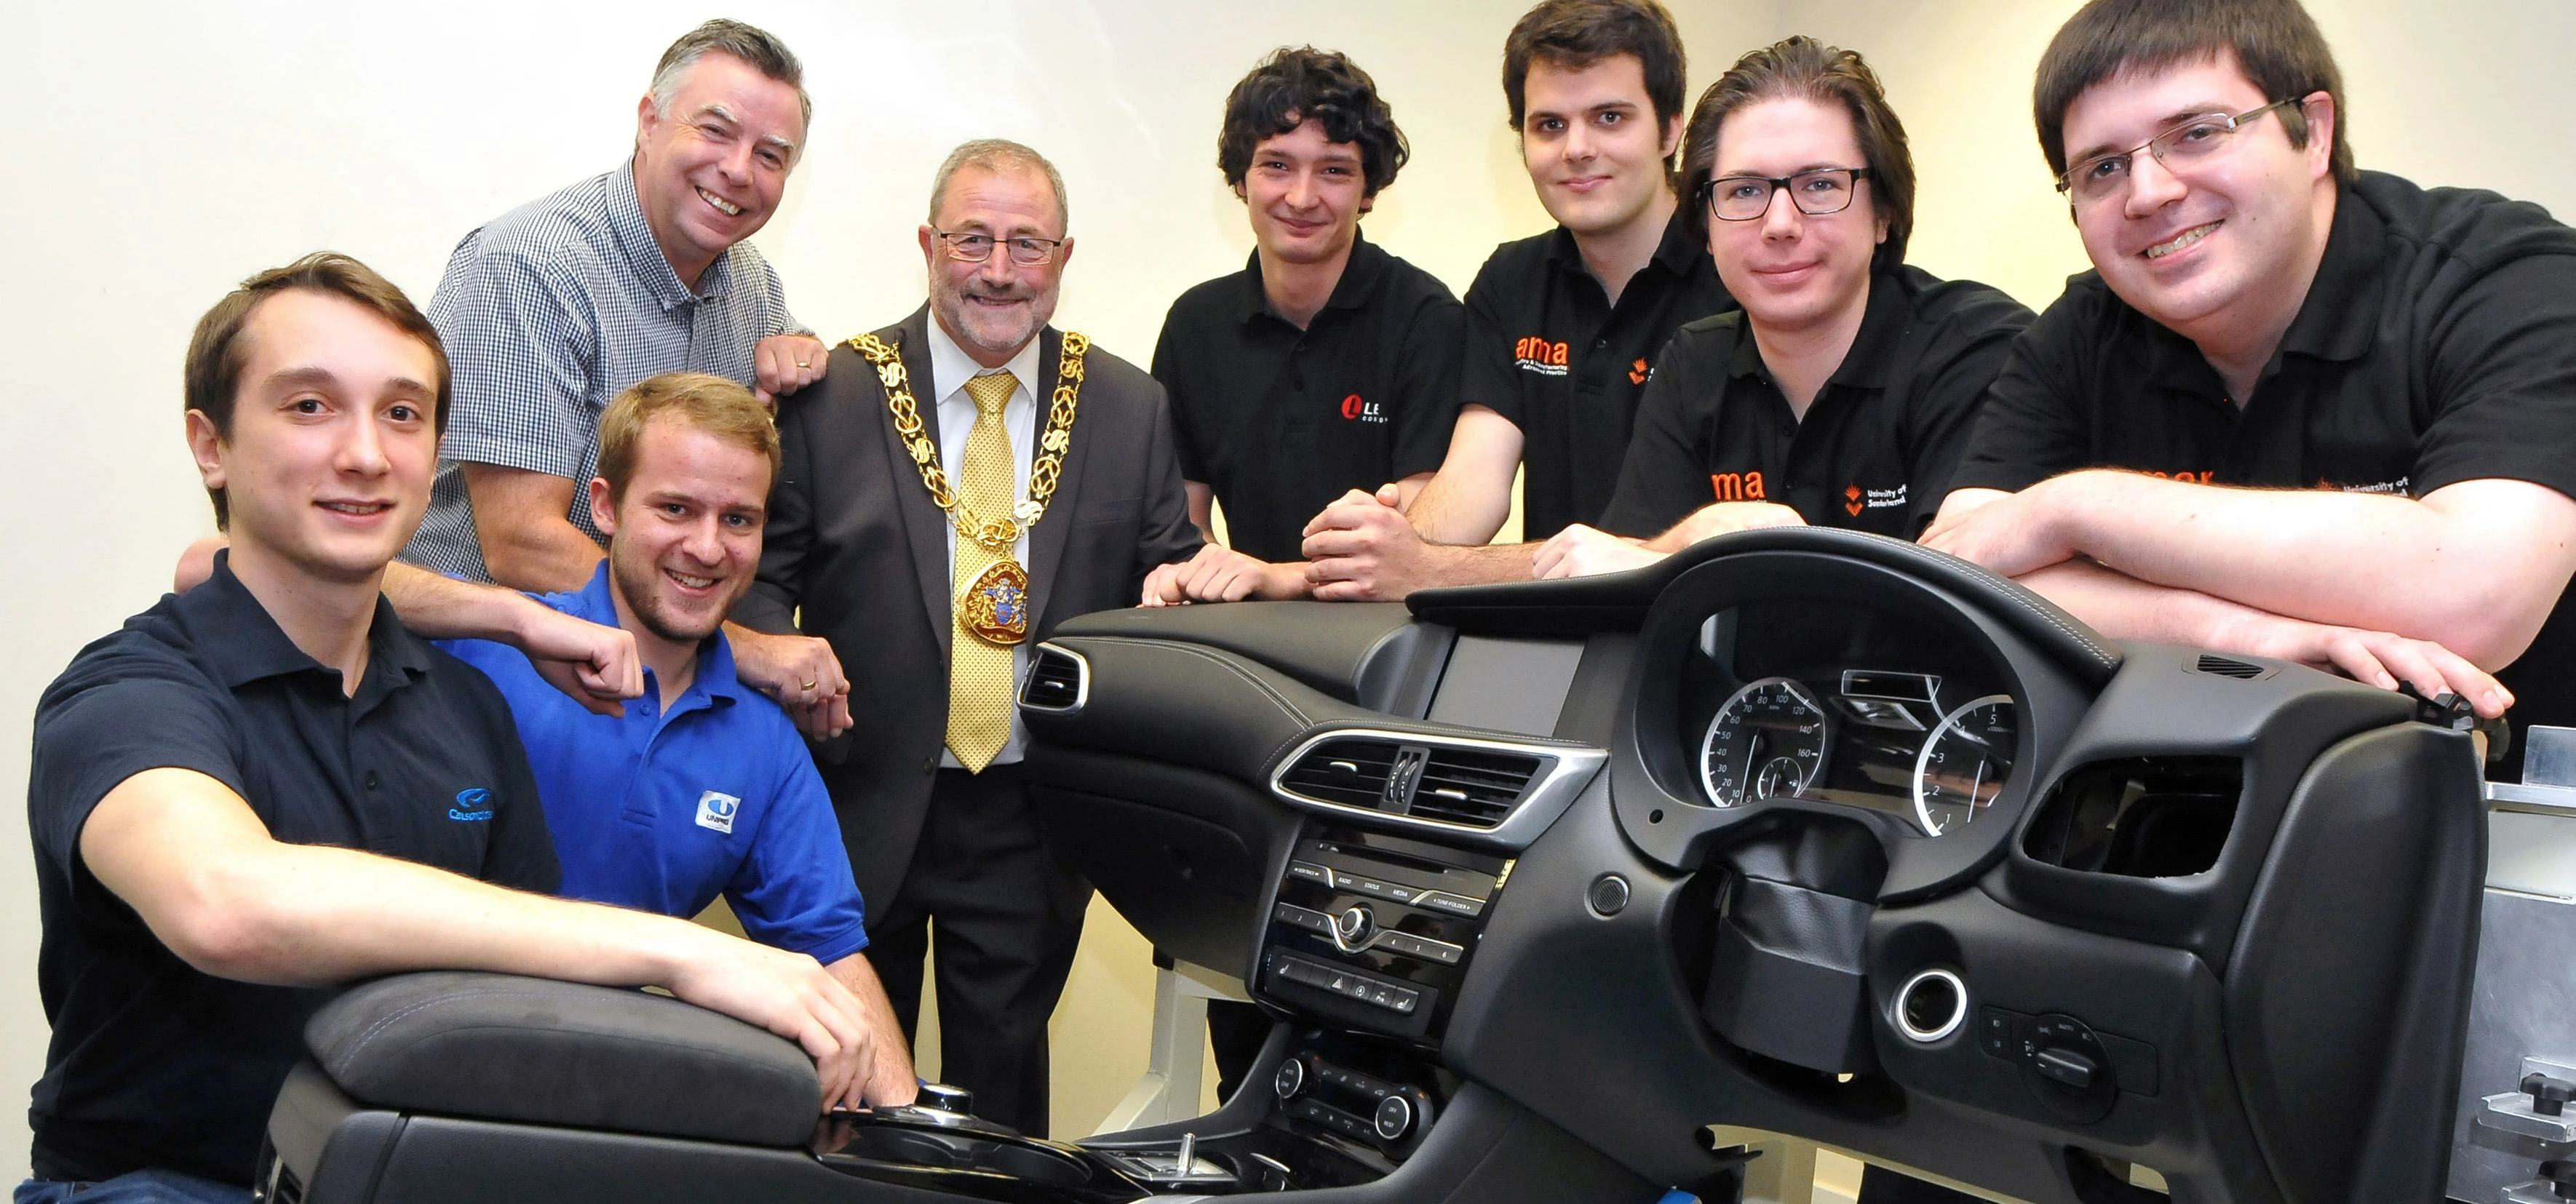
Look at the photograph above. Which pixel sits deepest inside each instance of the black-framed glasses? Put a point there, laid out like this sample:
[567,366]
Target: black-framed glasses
[1819,193]
[2105,176]
[971,247]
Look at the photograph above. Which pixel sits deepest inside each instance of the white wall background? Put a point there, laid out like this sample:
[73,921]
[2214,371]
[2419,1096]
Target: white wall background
[169,150]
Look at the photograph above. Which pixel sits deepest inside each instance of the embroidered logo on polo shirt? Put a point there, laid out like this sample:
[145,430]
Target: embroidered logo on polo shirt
[1639,373]
[1857,499]
[2398,486]
[473,805]
[1737,486]
[716,811]
[1535,354]
[1357,410]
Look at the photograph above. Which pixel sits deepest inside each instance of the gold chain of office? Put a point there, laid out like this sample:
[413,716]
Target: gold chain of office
[999,533]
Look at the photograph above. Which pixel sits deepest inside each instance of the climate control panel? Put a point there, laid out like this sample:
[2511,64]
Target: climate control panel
[1374,932]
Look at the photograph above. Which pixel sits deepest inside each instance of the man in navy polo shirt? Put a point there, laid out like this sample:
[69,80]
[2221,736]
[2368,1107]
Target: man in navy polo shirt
[703,787]
[269,784]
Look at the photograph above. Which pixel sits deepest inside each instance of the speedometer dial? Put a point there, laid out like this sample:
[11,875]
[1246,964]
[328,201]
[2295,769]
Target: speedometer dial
[1768,740]
[1964,762]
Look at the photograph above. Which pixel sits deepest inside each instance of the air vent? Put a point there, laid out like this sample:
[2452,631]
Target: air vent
[1056,681]
[2220,666]
[1462,786]
[1351,772]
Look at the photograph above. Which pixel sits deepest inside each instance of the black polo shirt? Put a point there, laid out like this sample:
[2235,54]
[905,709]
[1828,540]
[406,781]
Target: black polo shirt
[1877,446]
[154,1063]
[1281,421]
[1547,350]
[2437,345]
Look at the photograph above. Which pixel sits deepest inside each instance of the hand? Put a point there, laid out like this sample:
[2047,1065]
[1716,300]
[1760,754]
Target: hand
[1362,549]
[792,996]
[800,672]
[783,363]
[1581,551]
[2010,534]
[1218,574]
[888,1080]
[1720,518]
[2375,658]
[593,665]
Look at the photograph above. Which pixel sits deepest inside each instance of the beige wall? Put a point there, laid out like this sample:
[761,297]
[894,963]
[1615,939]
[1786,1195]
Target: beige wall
[167,150]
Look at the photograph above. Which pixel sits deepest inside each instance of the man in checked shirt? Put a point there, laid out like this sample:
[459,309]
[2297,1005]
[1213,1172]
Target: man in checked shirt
[551,310]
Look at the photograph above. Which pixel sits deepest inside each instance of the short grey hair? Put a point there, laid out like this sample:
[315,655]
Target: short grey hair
[996,155]
[750,43]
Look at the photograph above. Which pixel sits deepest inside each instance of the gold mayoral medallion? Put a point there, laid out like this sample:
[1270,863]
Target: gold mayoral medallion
[995,606]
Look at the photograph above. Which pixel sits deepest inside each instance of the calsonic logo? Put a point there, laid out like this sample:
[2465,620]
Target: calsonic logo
[1737,486]
[473,805]
[1535,354]
[1357,410]
[1857,499]
[716,811]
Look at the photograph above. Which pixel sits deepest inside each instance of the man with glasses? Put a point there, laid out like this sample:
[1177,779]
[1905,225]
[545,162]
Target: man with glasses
[956,486]
[1563,327]
[1842,392]
[2297,410]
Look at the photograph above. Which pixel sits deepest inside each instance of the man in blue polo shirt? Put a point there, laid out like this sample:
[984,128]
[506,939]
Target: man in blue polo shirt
[703,787]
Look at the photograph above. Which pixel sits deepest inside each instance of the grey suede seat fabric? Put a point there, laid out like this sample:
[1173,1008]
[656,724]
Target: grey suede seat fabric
[503,1047]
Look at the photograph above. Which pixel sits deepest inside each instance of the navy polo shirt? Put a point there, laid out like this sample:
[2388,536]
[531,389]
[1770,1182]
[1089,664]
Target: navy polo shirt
[2436,345]
[1547,350]
[1280,422]
[154,1063]
[1876,447]
[664,810]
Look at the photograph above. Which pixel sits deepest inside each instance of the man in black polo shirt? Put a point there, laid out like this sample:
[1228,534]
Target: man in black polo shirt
[268,784]
[1325,365]
[1842,392]
[1562,328]
[2318,406]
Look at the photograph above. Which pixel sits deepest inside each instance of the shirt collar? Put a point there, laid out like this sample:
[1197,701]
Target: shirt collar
[2334,322]
[1865,364]
[1360,274]
[596,603]
[951,367]
[241,642]
[635,238]
[1679,252]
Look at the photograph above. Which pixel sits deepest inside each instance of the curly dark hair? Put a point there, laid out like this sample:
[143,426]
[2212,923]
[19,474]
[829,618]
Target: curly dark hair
[1298,83]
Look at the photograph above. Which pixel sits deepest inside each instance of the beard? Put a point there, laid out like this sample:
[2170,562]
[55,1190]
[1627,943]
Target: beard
[641,584]
[982,329]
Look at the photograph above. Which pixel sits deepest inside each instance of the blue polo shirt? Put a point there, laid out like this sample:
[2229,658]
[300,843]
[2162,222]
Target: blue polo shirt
[665,810]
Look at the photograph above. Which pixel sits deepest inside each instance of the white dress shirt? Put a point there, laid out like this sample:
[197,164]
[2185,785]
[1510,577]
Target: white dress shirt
[950,369]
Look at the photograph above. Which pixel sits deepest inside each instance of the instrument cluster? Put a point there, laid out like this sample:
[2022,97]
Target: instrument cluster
[1839,702]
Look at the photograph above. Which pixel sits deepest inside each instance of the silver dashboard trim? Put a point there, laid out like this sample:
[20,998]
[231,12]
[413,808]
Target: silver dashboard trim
[1082,680]
[1564,771]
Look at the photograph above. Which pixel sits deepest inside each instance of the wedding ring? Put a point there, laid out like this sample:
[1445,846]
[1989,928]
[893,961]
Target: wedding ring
[809,685]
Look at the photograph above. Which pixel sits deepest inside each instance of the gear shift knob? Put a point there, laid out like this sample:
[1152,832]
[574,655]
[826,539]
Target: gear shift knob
[947,1099]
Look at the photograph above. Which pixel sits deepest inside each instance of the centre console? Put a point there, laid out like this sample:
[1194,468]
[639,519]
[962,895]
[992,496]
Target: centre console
[1374,932]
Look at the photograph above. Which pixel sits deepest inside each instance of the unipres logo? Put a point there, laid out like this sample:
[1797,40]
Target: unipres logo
[473,805]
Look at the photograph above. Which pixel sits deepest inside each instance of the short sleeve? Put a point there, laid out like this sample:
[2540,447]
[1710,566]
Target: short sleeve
[521,855]
[1664,476]
[2030,427]
[1426,385]
[2503,373]
[110,717]
[795,891]
[1485,367]
[522,352]
[1950,384]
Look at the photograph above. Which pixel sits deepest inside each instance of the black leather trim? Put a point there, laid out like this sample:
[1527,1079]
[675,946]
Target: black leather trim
[504,1047]
[1620,600]
[1358,652]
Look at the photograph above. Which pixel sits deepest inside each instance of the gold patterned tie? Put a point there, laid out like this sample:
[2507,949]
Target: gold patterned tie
[979,674]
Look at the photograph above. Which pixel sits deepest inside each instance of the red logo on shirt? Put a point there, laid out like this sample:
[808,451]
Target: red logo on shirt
[1351,407]
[1737,486]
[1638,372]
[1851,499]
[1357,410]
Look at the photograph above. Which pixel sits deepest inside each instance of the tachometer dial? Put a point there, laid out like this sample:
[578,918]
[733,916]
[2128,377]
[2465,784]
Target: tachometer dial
[1768,740]
[1963,764]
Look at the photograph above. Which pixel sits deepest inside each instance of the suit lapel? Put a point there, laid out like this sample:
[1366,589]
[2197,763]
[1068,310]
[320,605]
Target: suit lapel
[1047,539]
[925,526]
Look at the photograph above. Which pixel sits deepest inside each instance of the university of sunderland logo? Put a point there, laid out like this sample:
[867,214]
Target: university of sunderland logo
[1857,499]
[1356,410]
[473,805]
[716,811]
[1739,486]
[1535,354]
[1639,373]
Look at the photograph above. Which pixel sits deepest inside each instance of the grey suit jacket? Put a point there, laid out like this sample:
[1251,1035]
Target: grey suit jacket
[856,549]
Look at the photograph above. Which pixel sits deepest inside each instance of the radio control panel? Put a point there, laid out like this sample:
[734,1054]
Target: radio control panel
[1374,932]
